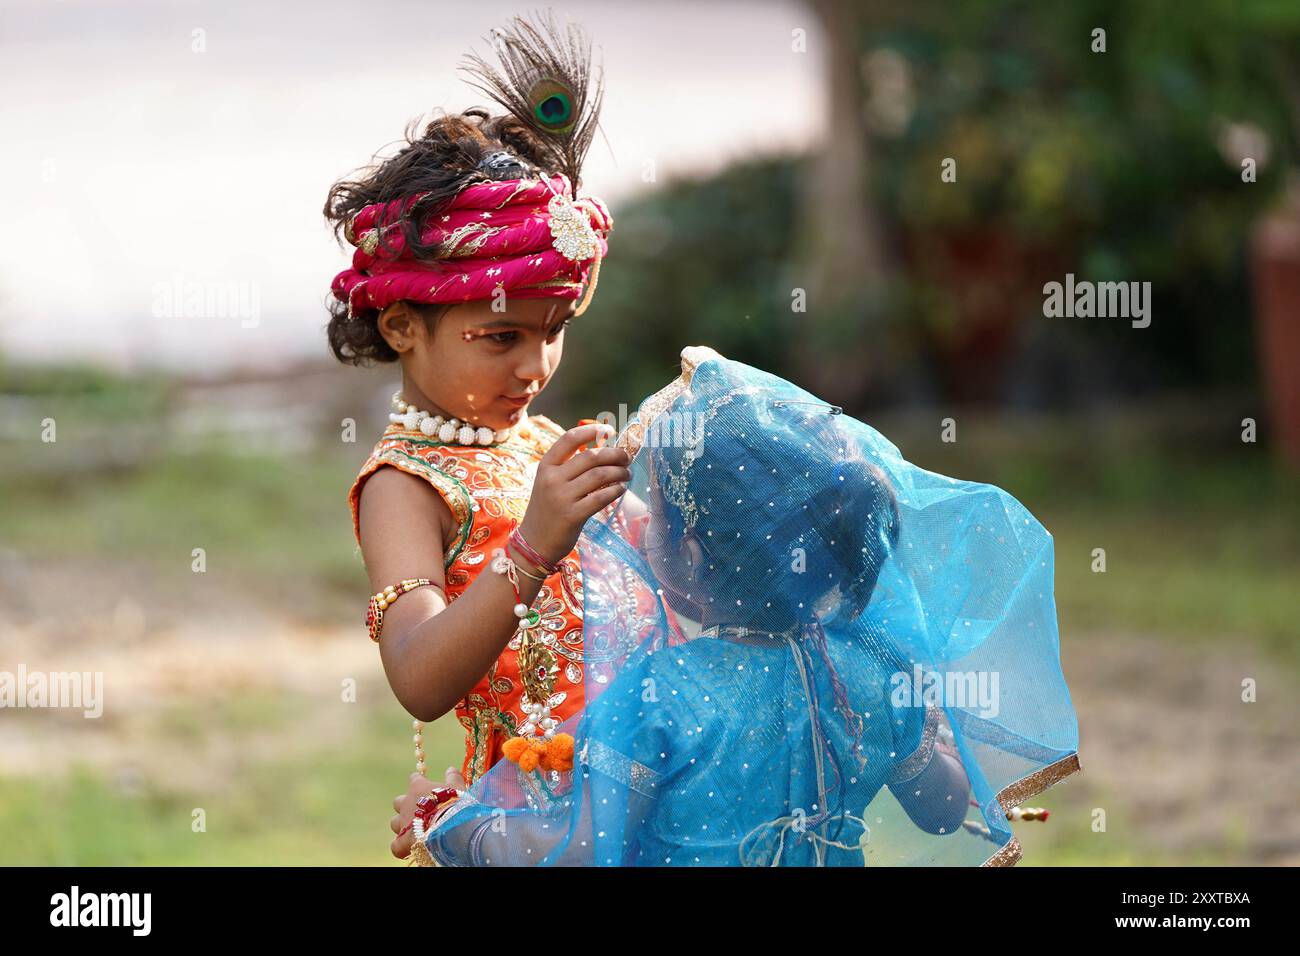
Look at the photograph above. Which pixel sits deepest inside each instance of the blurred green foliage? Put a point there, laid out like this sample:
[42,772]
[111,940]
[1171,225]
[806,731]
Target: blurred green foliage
[1113,166]
[702,262]
[86,391]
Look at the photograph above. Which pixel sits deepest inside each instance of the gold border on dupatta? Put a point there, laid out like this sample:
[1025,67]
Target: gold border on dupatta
[662,400]
[1024,788]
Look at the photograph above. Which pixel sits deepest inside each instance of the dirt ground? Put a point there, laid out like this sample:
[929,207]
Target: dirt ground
[1164,731]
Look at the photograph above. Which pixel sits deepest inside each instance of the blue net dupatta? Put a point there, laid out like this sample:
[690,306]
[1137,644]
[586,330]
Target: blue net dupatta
[799,650]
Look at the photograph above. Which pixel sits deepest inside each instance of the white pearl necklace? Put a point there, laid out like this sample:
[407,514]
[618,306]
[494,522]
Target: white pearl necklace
[444,429]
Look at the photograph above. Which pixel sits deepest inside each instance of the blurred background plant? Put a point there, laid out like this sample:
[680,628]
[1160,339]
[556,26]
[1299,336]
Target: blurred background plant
[1115,166]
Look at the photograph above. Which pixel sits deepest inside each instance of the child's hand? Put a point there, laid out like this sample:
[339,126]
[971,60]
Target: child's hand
[404,804]
[572,484]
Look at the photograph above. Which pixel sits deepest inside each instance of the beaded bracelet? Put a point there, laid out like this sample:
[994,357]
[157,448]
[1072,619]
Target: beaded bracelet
[432,843]
[428,808]
[380,600]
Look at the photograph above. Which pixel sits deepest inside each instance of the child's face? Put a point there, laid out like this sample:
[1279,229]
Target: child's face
[673,559]
[476,359]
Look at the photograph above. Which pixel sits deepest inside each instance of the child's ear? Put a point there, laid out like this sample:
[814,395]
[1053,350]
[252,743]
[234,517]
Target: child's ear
[691,550]
[397,323]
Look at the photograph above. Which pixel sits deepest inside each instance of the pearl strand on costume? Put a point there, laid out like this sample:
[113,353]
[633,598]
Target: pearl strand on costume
[418,725]
[448,430]
[539,720]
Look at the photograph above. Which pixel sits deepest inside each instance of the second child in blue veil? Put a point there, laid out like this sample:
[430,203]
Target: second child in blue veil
[816,573]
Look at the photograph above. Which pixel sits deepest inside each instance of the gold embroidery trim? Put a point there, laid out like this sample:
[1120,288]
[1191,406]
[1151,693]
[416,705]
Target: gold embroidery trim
[1009,855]
[467,240]
[1024,788]
[553,284]
[479,738]
[452,490]
[634,435]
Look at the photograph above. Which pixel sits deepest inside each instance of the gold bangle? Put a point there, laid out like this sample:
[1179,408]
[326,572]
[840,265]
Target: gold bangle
[380,601]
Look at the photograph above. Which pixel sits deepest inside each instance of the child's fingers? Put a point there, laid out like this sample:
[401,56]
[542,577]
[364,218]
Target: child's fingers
[587,460]
[600,498]
[590,481]
[572,440]
[401,847]
[602,439]
[397,802]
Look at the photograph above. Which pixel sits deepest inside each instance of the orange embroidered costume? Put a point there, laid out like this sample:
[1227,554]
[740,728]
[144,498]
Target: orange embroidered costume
[485,487]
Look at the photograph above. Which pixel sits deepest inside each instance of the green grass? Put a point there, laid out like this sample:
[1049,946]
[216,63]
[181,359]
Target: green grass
[328,805]
[1067,837]
[1227,580]
[261,521]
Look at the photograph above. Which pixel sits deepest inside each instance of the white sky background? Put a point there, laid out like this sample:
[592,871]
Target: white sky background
[131,162]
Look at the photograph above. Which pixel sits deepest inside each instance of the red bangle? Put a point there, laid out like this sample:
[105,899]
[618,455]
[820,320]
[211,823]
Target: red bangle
[427,807]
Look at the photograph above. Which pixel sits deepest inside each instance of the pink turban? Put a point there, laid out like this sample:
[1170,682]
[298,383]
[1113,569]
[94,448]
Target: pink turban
[525,236]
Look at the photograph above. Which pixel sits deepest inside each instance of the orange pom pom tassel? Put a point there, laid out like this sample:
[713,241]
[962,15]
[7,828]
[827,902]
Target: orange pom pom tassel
[514,747]
[533,752]
[525,751]
[560,752]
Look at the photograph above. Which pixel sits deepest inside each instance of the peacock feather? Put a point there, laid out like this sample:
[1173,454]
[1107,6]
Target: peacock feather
[545,82]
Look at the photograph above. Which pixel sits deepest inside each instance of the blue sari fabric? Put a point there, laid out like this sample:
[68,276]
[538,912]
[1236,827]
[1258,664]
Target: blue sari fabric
[847,660]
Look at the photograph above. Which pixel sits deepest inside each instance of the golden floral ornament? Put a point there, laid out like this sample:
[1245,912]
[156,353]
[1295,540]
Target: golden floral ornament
[539,666]
[573,236]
